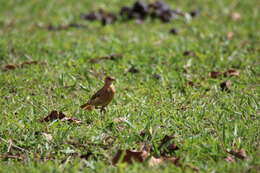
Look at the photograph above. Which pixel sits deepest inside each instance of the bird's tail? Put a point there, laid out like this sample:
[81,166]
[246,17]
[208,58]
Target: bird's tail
[87,106]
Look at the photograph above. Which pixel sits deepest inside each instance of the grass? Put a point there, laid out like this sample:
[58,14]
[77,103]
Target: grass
[204,120]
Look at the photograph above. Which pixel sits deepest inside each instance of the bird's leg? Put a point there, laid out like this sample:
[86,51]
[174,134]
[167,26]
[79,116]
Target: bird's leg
[102,109]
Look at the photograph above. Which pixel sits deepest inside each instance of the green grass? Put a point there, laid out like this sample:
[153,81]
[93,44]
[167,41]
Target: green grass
[211,122]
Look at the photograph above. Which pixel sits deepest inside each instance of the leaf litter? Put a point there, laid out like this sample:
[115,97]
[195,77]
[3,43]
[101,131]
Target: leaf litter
[55,115]
[8,67]
[146,155]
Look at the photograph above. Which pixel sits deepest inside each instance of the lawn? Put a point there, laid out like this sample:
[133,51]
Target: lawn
[168,84]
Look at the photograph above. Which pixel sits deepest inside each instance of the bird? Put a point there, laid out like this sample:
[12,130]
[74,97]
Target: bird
[102,97]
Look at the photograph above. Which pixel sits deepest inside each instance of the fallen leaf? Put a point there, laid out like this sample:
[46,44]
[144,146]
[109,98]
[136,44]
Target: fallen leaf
[226,85]
[241,154]
[9,67]
[61,116]
[215,74]
[235,16]
[230,159]
[231,72]
[129,156]
[53,116]
[230,35]
[47,136]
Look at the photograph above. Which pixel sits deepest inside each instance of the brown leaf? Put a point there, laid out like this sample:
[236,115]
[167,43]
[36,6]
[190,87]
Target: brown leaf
[241,154]
[235,16]
[226,85]
[215,74]
[129,156]
[230,159]
[231,72]
[53,116]
[9,67]
[112,57]
[230,35]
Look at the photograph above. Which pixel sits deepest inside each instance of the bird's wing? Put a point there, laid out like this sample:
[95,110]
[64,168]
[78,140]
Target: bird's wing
[96,97]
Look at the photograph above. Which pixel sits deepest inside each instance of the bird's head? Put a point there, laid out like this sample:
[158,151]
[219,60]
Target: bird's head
[109,80]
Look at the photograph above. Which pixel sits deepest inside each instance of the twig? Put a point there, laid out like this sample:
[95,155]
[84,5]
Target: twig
[11,144]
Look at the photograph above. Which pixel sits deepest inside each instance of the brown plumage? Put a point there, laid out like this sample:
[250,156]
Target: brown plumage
[102,97]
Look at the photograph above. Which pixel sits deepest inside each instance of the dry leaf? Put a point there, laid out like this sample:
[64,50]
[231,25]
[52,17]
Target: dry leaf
[241,154]
[9,67]
[129,156]
[230,35]
[215,74]
[231,72]
[226,85]
[235,16]
[47,136]
[54,115]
